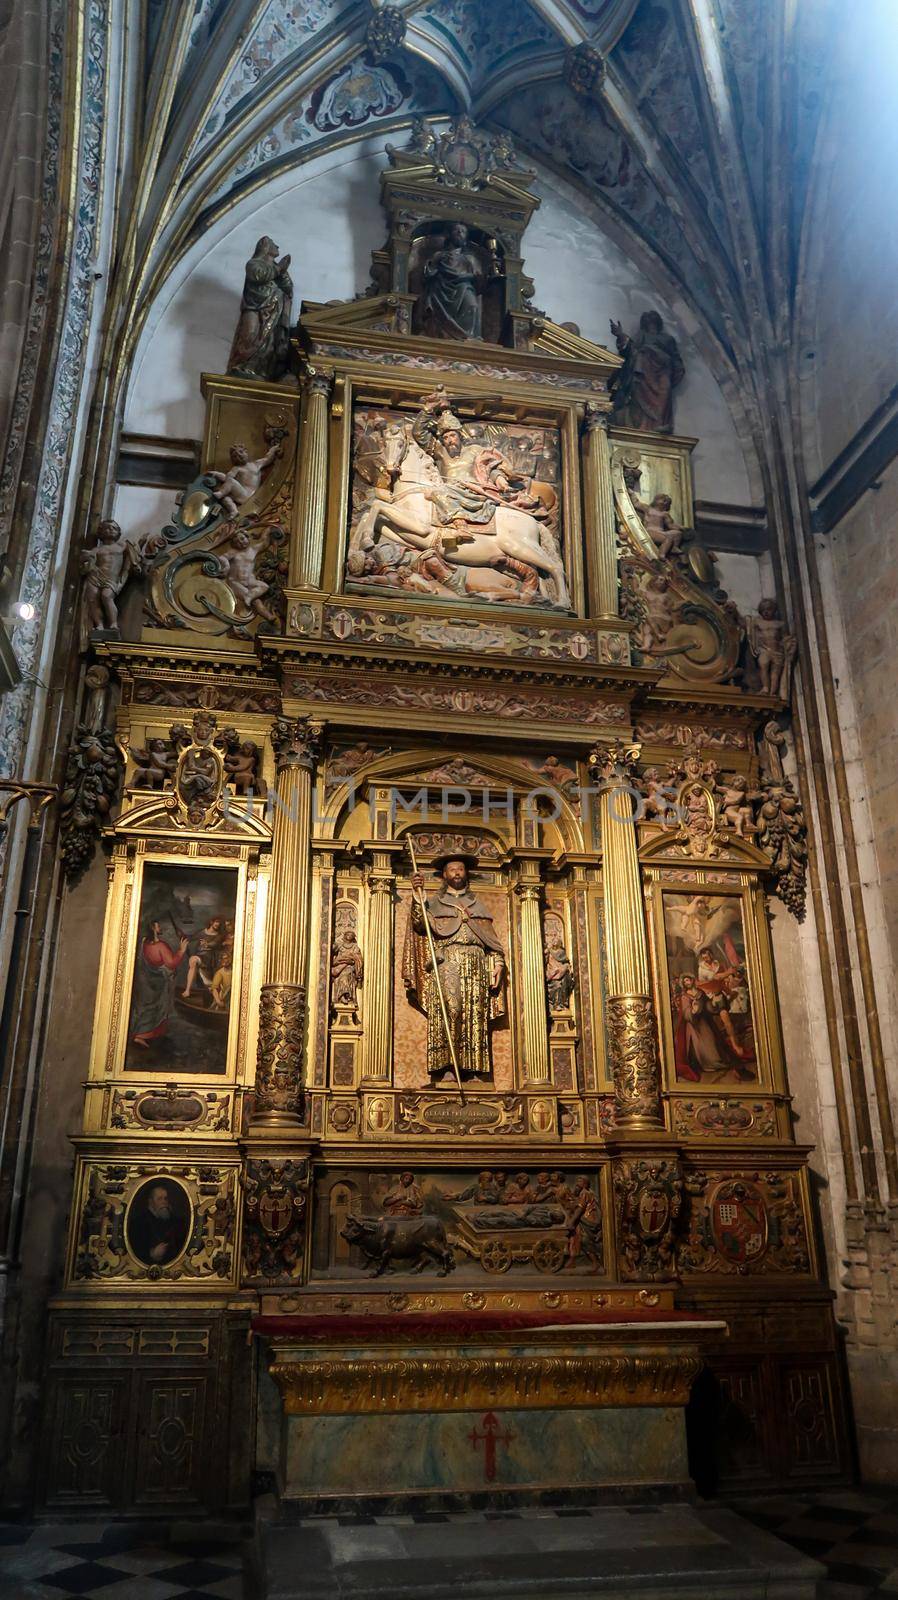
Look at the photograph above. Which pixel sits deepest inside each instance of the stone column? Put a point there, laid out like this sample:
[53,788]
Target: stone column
[598,506]
[536,1022]
[632,1033]
[311,490]
[279,1065]
[378,1043]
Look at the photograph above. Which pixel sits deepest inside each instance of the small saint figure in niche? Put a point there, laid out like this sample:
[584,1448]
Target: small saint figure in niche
[452,297]
[471,965]
[347,970]
[652,370]
[558,969]
[261,347]
[773,647]
[106,568]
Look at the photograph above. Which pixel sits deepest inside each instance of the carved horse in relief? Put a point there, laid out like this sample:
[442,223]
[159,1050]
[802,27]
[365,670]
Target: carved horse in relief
[407,516]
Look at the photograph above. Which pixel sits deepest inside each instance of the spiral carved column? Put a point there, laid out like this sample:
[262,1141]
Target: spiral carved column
[280,1059]
[311,489]
[632,1031]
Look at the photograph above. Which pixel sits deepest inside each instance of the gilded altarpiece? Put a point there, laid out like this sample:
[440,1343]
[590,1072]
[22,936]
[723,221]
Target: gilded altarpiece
[437,979]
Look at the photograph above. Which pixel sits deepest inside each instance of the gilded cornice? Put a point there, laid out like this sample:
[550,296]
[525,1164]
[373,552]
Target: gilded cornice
[563,1374]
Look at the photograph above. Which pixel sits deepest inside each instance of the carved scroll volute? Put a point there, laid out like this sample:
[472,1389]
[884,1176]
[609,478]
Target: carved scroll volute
[632,1030]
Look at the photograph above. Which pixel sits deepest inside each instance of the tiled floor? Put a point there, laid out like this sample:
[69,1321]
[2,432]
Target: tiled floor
[853,1531]
[120,1561]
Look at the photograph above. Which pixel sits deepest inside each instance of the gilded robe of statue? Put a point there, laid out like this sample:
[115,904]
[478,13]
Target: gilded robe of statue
[471,965]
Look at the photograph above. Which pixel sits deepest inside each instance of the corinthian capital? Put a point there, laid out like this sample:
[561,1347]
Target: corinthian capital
[615,762]
[296,742]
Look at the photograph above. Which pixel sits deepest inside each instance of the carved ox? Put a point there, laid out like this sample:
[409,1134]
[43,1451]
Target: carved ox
[415,1240]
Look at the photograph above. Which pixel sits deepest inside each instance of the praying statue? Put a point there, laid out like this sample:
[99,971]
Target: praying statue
[261,347]
[452,297]
[470,971]
[653,367]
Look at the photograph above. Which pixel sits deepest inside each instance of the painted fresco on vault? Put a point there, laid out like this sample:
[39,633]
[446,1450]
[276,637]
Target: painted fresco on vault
[183,970]
[475,1225]
[448,510]
[711,1005]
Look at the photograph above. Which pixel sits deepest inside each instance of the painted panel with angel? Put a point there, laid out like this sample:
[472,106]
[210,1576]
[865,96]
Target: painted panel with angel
[710,994]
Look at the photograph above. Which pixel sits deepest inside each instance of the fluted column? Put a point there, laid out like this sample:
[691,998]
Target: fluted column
[598,497]
[311,491]
[279,1065]
[632,1033]
[536,1022]
[379,971]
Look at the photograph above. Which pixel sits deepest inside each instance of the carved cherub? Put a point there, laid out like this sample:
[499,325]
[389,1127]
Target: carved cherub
[238,555]
[773,647]
[243,478]
[658,617]
[241,762]
[156,763]
[736,804]
[665,534]
[657,798]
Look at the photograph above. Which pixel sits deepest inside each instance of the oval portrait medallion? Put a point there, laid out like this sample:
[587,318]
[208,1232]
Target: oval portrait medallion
[158,1221]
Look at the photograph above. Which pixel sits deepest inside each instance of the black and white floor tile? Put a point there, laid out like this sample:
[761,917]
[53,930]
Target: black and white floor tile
[119,1561]
[854,1532]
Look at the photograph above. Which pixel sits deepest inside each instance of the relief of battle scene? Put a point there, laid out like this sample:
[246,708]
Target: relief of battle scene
[455,510]
[474,1225]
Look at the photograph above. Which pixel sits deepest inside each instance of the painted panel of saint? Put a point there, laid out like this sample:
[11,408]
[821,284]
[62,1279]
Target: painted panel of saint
[452,510]
[711,1005]
[157,1224]
[182,987]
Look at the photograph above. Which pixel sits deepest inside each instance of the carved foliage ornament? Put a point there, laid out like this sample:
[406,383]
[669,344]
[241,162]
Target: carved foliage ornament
[385,33]
[649,1198]
[280,1056]
[92,774]
[274,1211]
[633,1049]
[584,70]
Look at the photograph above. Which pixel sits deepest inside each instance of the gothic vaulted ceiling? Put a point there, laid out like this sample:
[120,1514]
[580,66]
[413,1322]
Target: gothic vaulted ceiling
[688,125]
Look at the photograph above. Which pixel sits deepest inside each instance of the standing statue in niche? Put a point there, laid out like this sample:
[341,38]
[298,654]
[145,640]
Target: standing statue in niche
[106,569]
[471,965]
[261,347]
[773,647]
[652,369]
[452,297]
